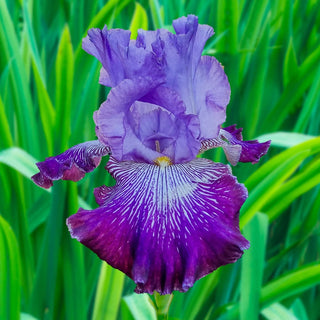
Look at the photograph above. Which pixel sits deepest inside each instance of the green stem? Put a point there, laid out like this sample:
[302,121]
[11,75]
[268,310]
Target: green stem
[163,303]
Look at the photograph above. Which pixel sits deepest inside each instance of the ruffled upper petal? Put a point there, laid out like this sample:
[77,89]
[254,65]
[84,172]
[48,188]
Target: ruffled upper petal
[121,57]
[143,131]
[230,139]
[199,80]
[165,226]
[72,164]
[176,59]
[212,93]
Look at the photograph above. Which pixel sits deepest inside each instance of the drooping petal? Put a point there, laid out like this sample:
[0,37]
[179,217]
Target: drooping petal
[72,164]
[165,226]
[230,139]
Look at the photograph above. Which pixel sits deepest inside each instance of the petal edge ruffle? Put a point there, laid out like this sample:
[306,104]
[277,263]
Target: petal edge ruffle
[72,164]
[165,227]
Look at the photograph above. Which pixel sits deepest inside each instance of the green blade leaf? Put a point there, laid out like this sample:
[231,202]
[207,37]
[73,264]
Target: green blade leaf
[10,281]
[264,190]
[288,285]
[141,307]
[64,85]
[139,20]
[108,295]
[256,231]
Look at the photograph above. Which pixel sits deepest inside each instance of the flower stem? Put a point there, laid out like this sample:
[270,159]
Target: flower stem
[163,303]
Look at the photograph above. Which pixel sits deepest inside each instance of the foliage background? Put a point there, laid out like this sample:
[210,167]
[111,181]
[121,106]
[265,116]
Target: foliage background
[48,92]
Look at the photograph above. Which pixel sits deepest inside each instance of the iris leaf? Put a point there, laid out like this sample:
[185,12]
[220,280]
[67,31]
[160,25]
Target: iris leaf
[156,14]
[256,231]
[141,307]
[108,294]
[310,147]
[64,85]
[262,192]
[5,134]
[278,312]
[10,281]
[139,20]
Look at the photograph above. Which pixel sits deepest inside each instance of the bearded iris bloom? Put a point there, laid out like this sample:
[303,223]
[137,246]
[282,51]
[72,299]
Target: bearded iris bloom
[171,218]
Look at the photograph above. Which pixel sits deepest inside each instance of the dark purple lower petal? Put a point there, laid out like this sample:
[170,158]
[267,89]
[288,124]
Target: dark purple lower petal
[230,139]
[165,226]
[72,164]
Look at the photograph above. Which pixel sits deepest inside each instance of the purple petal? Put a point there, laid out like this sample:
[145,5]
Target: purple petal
[72,164]
[143,131]
[165,226]
[175,59]
[121,57]
[212,93]
[200,81]
[230,139]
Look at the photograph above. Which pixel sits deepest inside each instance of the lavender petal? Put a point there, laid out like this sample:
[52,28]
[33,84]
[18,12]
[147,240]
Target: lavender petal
[143,131]
[121,57]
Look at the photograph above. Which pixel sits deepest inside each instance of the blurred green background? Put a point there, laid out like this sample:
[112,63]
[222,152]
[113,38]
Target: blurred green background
[48,92]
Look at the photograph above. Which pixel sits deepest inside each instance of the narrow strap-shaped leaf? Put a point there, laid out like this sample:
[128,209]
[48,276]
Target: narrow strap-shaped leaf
[73,266]
[262,193]
[285,139]
[253,25]
[254,84]
[10,281]
[109,292]
[141,307]
[228,20]
[311,146]
[278,312]
[293,91]
[288,285]
[290,67]
[139,20]
[256,231]
[311,104]
[292,189]
[47,112]
[283,287]
[6,140]
[156,14]
[23,107]
[46,282]
[64,85]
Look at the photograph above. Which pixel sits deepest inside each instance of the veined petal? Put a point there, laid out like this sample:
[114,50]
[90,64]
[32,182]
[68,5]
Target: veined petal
[72,164]
[141,126]
[230,139]
[121,57]
[165,226]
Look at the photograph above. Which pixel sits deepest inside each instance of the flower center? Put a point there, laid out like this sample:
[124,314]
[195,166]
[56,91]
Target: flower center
[163,161]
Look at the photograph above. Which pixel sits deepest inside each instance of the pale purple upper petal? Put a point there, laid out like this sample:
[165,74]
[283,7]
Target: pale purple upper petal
[176,59]
[199,80]
[212,94]
[143,131]
[72,164]
[165,226]
[121,57]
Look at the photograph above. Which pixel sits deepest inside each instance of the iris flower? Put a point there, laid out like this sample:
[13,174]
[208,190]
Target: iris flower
[172,217]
